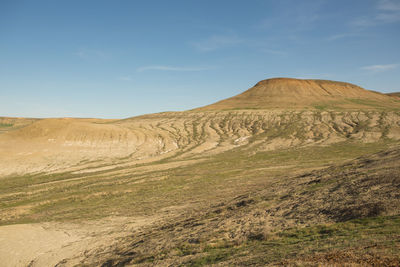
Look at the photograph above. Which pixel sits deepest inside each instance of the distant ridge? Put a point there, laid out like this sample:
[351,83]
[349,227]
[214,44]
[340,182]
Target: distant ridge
[288,93]
[395,94]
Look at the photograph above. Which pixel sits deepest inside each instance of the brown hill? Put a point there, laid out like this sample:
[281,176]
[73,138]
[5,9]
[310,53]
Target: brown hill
[9,123]
[395,94]
[222,187]
[287,93]
[49,145]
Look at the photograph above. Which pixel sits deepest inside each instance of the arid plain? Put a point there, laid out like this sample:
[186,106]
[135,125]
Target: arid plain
[290,172]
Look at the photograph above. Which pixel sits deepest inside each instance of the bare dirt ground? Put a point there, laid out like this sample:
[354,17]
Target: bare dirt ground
[64,244]
[316,184]
[36,244]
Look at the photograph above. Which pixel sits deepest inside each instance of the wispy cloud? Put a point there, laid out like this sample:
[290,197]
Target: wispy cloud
[264,45]
[292,17]
[124,78]
[380,68]
[340,36]
[274,52]
[290,22]
[364,22]
[388,17]
[346,35]
[389,5]
[215,42]
[387,11]
[85,53]
[171,68]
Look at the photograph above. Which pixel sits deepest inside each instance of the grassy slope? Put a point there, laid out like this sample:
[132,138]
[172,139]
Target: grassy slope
[369,241]
[199,187]
[222,195]
[249,230]
[70,196]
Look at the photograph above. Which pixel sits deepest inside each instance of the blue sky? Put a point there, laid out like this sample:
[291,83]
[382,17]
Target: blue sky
[116,59]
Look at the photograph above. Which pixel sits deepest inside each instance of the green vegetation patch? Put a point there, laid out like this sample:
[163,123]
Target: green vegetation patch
[372,236]
[366,102]
[6,125]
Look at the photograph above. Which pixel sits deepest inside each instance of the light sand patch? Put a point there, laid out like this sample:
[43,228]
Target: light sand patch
[48,244]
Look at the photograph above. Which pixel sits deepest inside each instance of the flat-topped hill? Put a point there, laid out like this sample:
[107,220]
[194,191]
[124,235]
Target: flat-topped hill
[281,113]
[288,93]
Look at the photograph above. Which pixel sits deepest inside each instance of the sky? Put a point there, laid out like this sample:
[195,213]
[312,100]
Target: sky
[117,59]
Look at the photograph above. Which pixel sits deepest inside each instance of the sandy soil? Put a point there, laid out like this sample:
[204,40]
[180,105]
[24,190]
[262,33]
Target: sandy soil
[84,146]
[49,244]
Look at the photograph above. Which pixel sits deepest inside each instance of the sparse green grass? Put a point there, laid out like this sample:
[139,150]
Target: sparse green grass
[321,107]
[130,191]
[365,102]
[360,235]
[95,195]
[6,125]
[212,255]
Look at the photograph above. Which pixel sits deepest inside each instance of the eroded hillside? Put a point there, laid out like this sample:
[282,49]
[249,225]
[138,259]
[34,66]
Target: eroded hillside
[55,145]
[291,172]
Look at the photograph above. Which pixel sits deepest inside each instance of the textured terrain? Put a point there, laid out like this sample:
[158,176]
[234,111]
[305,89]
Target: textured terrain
[287,93]
[396,94]
[289,172]
[54,145]
[342,204]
